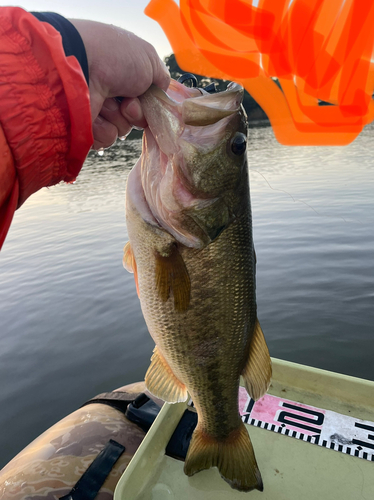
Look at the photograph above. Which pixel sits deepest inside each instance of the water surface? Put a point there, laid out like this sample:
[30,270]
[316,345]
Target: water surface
[70,320]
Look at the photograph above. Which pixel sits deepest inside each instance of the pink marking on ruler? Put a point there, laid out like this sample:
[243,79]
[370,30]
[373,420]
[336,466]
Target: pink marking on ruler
[270,409]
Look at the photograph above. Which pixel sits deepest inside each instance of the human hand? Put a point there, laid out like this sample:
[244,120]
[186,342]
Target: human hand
[119,64]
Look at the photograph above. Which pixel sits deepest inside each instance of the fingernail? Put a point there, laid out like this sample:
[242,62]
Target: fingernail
[134,110]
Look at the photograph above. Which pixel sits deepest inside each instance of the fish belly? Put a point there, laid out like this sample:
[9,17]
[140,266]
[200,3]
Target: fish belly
[205,346]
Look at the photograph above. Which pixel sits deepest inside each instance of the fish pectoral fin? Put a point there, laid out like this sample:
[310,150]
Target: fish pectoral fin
[128,260]
[129,263]
[161,381]
[257,371]
[234,457]
[172,276]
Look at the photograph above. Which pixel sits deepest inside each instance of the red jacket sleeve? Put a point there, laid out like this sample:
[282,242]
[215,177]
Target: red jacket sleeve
[45,118]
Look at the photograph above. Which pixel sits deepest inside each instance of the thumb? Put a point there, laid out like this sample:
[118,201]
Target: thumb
[161,75]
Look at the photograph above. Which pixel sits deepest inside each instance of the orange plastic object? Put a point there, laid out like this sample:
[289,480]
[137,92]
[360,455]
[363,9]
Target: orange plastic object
[319,50]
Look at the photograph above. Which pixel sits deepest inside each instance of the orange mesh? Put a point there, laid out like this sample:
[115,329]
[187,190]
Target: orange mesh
[317,49]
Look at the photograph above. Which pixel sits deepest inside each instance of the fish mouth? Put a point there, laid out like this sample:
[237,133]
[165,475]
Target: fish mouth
[170,113]
[181,122]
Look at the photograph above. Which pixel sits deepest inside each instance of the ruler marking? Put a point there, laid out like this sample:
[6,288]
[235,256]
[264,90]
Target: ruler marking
[363,443]
[325,428]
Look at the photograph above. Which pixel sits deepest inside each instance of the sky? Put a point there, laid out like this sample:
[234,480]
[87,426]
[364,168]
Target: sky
[128,14]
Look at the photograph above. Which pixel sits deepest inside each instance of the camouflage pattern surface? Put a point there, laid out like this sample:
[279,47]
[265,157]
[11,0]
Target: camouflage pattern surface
[52,464]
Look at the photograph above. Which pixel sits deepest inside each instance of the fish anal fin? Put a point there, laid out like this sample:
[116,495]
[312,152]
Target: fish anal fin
[172,276]
[129,263]
[257,371]
[234,457]
[161,381]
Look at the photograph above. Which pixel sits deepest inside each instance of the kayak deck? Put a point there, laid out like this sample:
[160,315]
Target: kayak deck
[291,468]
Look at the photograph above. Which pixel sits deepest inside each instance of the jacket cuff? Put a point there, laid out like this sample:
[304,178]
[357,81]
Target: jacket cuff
[71,39]
[9,188]
[44,103]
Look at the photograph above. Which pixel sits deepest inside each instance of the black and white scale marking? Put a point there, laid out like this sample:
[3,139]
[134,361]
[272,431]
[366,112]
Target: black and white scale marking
[324,428]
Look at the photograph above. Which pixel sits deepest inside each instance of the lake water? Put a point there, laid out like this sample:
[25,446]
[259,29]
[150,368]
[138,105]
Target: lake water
[70,320]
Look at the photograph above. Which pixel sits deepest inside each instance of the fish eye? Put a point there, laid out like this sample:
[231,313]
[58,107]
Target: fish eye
[239,144]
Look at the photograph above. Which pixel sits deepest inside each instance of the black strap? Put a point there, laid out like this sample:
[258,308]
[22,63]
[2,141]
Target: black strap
[142,412]
[117,399]
[92,480]
[71,39]
[180,440]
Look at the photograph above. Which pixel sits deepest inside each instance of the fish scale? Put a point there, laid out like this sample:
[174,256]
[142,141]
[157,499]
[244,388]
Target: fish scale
[195,272]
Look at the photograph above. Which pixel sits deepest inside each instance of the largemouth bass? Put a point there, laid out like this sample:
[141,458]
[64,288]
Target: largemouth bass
[189,223]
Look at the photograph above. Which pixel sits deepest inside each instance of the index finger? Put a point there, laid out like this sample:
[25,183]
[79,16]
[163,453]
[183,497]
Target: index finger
[132,111]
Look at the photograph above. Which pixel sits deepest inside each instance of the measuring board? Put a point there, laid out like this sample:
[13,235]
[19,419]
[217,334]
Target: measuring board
[325,428]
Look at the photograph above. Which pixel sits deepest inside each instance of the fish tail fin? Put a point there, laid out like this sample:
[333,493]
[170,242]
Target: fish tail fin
[234,457]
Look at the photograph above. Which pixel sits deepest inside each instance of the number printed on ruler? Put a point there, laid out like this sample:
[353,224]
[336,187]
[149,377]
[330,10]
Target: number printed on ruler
[314,425]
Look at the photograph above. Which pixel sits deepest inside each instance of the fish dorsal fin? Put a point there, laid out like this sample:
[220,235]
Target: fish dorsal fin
[257,371]
[172,276]
[129,263]
[161,381]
